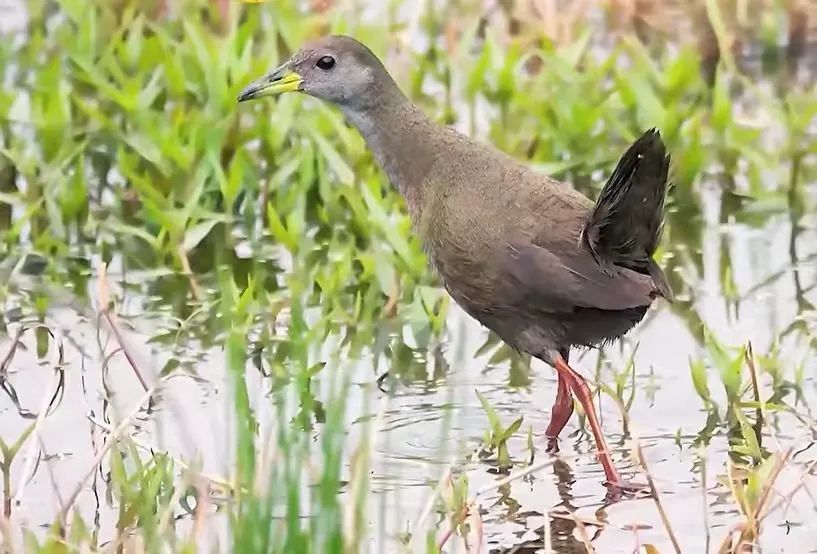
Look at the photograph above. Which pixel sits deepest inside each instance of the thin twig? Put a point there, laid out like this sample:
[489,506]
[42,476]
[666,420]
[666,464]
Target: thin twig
[588,546]
[768,486]
[445,536]
[6,385]
[167,512]
[30,458]
[429,506]
[112,438]
[518,475]
[104,309]
[109,316]
[752,514]
[762,414]
[5,532]
[215,479]
[203,502]
[704,503]
[9,355]
[51,476]
[795,490]
[361,458]
[657,498]
[478,526]
[187,272]
[564,513]
[580,523]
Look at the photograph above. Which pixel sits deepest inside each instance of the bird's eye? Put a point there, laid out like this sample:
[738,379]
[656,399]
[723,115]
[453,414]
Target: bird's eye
[326,63]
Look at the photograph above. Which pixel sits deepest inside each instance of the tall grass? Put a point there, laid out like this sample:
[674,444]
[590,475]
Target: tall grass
[267,231]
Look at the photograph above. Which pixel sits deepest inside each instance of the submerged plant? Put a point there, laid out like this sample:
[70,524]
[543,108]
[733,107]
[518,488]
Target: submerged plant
[497,436]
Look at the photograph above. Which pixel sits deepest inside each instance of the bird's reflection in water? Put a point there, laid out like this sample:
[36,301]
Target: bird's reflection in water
[565,534]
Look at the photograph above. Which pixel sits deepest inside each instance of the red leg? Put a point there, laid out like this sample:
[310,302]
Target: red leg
[582,392]
[562,410]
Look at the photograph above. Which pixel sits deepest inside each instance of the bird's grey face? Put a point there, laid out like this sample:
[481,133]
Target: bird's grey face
[327,73]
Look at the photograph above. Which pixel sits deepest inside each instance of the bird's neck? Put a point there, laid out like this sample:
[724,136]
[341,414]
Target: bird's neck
[401,137]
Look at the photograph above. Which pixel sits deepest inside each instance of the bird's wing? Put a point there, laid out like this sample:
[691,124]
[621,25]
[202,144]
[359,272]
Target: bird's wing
[545,281]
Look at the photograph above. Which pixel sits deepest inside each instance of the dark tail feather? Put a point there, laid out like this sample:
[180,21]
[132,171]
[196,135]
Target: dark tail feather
[625,225]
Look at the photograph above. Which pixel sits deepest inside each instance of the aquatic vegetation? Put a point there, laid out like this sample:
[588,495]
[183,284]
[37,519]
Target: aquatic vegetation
[197,298]
[496,440]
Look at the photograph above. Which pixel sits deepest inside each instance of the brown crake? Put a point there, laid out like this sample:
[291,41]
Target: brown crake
[530,258]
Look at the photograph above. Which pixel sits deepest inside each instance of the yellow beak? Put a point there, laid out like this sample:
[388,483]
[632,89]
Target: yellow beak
[281,80]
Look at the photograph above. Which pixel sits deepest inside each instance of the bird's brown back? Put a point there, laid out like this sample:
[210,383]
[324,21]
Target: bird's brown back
[476,204]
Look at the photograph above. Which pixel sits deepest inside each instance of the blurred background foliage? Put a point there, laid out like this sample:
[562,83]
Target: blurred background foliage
[266,228]
[120,131]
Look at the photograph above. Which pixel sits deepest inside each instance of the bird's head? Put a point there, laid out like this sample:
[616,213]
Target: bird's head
[338,69]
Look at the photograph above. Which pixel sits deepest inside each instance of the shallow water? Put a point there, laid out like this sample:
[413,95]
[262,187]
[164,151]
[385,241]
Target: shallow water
[667,417]
[433,419]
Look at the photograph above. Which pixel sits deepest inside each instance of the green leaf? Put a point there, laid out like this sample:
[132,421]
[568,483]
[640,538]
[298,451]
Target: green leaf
[14,448]
[682,71]
[315,369]
[752,446]
[124,229]
[235,178]
[716,350]
[336,163]
[576,50]
[731,377]
[493,417]
[279,231]
[73,194]
[461,490]
[503,457]
[697,369]
[79,532]
[721,104]
[760,477]
[195,234]
[10,452]
[385,274]
[531,446]
[475,83]
[512,428]
[30,541]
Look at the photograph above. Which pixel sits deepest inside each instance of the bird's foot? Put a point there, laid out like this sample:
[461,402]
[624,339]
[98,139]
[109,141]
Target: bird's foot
[553,445]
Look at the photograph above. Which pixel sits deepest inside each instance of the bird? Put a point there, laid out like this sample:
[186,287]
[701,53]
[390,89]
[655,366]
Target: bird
[529,257]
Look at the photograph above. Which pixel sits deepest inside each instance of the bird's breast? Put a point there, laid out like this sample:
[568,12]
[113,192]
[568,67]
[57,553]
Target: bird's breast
[465,260]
